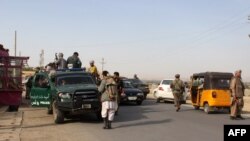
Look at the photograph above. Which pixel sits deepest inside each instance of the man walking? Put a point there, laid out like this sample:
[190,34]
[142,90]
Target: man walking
[237,88]
[108,89]
[177,87]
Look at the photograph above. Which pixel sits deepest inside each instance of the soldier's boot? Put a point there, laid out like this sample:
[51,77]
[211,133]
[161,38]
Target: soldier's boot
[105,122]
[109,124]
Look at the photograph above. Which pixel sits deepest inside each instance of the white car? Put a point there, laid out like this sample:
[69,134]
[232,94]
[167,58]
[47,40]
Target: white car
[164,92]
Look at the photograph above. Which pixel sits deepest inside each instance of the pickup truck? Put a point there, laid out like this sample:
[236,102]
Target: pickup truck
[66,92]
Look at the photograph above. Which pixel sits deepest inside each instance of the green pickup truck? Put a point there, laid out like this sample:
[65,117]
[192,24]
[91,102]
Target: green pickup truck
[66,92]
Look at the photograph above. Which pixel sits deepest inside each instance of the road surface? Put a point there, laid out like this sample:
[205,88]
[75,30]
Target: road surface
[149,122]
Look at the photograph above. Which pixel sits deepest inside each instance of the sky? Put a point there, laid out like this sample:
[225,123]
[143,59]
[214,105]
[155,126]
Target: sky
[154,39]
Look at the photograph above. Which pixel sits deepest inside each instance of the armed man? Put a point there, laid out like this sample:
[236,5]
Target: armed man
[177,87]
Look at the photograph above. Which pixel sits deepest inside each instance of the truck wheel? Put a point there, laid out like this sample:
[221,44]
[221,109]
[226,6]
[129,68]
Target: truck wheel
[13,108]
[138,102]
[57,114]
[207,108]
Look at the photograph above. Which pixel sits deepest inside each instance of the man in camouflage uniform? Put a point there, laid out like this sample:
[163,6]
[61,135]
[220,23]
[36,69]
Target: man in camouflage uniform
[177,87]
[237,89]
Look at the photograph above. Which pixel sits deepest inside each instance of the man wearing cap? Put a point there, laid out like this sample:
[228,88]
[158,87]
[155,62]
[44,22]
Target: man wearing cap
[177,87]
[93,70]
[74,61]
[237,90]
[61,63]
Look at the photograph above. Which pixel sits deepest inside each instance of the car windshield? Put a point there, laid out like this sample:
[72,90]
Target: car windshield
[166,82]
[220,83]
[127,84]
[75,79]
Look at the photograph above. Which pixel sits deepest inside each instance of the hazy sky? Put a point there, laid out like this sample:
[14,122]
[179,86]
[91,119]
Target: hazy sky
[151,38]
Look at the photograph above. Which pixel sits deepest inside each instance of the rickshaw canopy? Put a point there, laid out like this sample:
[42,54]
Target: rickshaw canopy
[214,80]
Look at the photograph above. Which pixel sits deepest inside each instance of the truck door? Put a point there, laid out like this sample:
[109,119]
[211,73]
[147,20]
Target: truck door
[40,94]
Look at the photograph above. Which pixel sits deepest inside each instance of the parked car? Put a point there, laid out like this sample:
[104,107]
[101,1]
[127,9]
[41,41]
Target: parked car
[164,92]
[137,83]
[67,92]
[131,94]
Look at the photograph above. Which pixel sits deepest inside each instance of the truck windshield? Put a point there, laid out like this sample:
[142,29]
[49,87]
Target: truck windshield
[72,80]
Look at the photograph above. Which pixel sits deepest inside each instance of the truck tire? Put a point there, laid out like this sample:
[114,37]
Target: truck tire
[57,114]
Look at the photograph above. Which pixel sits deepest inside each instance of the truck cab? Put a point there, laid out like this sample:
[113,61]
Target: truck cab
[66,92]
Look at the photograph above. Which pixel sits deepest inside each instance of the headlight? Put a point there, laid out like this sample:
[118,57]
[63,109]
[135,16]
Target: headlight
[64,95]
[140,94]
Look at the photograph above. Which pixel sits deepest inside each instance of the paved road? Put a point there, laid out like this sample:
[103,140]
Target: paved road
[149,122]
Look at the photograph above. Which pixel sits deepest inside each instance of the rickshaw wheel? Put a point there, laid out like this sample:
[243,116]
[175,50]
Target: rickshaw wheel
[196,107]
[206,108]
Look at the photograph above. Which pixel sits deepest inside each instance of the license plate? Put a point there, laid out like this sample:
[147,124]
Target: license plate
[132,98]
[86,106]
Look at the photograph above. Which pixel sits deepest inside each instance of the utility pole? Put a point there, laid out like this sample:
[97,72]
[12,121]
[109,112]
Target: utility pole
[15,42]
[103,63]
[41,61]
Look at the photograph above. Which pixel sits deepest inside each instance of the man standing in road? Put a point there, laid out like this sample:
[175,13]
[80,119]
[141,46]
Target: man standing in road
[177,87]
[237,89]
[108,101]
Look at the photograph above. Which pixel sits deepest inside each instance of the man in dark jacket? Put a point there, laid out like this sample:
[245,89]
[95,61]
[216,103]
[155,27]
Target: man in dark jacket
[74,61]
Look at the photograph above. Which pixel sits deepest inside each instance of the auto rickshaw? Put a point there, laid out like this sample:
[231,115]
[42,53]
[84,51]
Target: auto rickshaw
[210,90]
